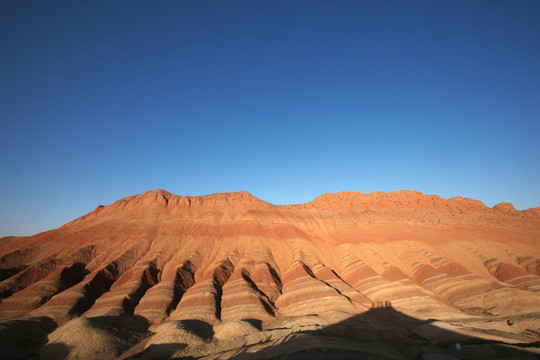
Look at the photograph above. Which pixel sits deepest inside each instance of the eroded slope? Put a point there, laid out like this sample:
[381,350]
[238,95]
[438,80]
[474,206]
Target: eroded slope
[188,272]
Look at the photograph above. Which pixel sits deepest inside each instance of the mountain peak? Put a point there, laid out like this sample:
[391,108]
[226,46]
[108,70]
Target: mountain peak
[162,199]
[396,200]
[505,206]
[191,269]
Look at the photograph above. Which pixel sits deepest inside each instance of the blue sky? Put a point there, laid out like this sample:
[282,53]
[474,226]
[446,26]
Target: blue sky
[287,100]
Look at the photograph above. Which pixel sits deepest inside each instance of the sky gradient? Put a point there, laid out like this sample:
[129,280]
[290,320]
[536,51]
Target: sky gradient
[287,100]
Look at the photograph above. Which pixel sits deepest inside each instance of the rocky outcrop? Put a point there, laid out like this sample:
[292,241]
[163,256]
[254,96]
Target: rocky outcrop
[199,270]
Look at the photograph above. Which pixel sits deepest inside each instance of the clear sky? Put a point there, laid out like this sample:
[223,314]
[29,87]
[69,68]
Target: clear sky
[285,99]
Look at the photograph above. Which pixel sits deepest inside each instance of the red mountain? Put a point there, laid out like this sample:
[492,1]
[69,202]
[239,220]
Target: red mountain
[380,275]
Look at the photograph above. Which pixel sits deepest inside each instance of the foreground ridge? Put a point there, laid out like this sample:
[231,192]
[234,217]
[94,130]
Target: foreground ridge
[158,275]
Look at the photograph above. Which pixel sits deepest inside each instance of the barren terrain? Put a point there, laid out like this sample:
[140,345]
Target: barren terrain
[398,275]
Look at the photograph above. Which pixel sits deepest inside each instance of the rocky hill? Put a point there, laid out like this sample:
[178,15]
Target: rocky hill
[381,275]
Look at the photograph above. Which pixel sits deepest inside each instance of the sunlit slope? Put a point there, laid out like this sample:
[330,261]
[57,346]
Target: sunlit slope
[224,259]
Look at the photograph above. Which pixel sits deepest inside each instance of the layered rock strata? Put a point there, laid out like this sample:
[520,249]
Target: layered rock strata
[225,265]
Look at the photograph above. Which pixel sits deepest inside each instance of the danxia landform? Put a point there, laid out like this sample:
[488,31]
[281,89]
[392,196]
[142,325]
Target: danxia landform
[398,275]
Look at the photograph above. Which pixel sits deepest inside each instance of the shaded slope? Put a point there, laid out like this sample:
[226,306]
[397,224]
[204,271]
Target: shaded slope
[200,270]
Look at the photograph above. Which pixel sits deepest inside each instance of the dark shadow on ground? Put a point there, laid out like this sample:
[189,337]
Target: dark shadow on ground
[385,333]
[157,352]
[255,322]
[199,328]
[23,338]
[52,351]
[118,333]
[382,333]
[34,338]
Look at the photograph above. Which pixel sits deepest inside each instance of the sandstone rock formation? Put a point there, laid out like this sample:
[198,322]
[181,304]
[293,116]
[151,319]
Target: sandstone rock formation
[158,275]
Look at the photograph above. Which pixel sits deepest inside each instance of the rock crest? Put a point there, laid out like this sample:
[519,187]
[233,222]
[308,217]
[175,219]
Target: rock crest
[201,270]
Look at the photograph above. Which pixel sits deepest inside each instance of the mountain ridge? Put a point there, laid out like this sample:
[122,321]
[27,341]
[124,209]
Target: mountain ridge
[206,271]
[344,199]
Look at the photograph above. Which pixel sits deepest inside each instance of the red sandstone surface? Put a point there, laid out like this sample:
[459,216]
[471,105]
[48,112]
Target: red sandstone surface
[158,275]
